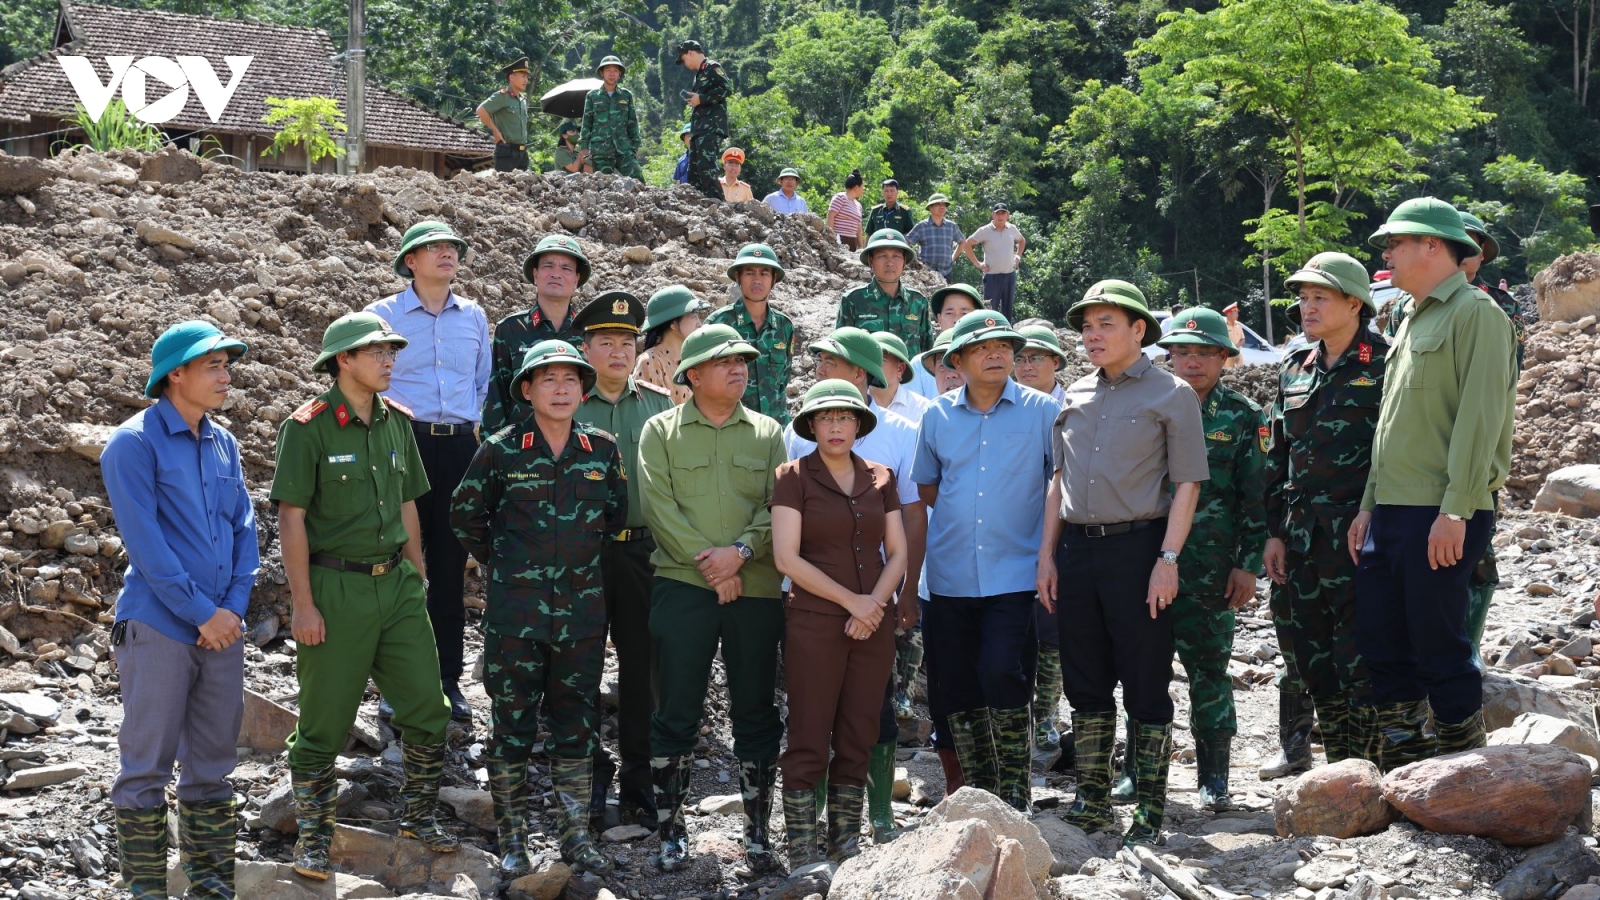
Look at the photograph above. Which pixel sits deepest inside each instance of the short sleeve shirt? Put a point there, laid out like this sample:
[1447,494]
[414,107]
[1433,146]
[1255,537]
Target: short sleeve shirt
[510,115]
[841,534]
[999,246]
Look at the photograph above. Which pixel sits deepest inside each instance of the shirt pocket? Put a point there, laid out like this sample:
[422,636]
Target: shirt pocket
[691,475]
[229,492]
[591,506]
[750,476]
[1424,363]
[343,490]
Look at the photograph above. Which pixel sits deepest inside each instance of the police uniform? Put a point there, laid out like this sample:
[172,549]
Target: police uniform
[510,114]
[517,333]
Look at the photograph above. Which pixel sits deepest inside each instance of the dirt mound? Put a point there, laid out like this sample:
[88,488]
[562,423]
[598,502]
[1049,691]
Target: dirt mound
[1558,404]
[1569,288]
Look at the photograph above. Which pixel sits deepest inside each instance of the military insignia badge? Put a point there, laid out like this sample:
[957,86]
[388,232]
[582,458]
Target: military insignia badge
[1264,438]
[527,440]
[342,414]
[583,441]
[1220,436]
[594,475]
[1363,381]
[989,322]
[619,306]
[1364,353]
[1192,325]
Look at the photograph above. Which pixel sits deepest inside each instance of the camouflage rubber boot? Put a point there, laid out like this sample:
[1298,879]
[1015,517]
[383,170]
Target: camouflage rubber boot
[1478,599]
[907,662]
[605,772]
[671,776]
[1126,790]
[1211,753]
[1153,747]
[1093,737]
[573,783]
[424,765]
[1362,737]
[755,789]
[800,828]
[844,820]
[142,845]
[821,790]
[1462,736]
[1296,715]
[974,739]
[880,794]
[1403,736]
[1333,717]
[316,799]
[1047,699]
[1012,736]
[508,787]
[207,830]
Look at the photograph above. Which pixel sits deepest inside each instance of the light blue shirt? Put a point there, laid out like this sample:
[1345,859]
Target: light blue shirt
[442,375]
[992,470]
[787,205]
[922,381]
[892,444]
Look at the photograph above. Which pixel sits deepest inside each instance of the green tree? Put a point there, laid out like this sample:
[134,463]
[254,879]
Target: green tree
[306,122]
[825,61]
[1545,213]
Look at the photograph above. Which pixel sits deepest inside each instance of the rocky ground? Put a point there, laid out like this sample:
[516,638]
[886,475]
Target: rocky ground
[99,253]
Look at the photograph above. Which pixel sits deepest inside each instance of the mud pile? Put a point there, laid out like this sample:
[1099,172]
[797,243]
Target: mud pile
[1558,404]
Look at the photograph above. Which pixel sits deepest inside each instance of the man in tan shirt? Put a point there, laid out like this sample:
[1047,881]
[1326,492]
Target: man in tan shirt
[1235,334]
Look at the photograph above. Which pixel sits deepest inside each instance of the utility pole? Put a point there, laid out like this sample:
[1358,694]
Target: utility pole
[356,91]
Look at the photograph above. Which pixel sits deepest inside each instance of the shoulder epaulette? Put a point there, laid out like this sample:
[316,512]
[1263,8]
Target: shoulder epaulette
[653,387]
[306,413]
[601,433]
[399,407]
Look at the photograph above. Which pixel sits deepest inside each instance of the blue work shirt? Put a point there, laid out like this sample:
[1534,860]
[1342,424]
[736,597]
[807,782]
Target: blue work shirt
[442,375]
[186,521]
[992,470]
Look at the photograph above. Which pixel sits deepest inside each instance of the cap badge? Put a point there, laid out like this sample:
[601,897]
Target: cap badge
[620,307]
[989,322]
[1192,325]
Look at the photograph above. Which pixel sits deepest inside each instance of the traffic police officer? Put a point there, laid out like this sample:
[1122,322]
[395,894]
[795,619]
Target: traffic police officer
[505,114]
[885,303]
[757,271]
[557,268]
[610,123]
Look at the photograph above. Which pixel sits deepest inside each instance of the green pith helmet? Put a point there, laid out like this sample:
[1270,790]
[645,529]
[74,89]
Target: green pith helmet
[428,233]
[942,341]
[936,301]
[981,325]
[684,131]
[894,346]
[1424,217]
[670,304]
[352,331]
[834,393]
[756,255]
[613,310]
[711,342]
[610,61]
[935,200]
[1200,325]
[183,343]
[1476,229]
[1338,271]
[557,243]
[1120,294]
[858,348]
[789,173]
[1043,337]
[887,237]
[551,353]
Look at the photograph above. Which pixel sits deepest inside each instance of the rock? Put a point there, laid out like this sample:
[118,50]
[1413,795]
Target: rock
[171,166]
[1070,848]
[80,543]
[1324,872]
[55,534]
[715,843]
[959,860]
[1560,665]
[638,255]
[97,169]
[1565,860]
[1535,728]
[972,803]
[722,805]
[32,704]
[462,886]
[86,854]
[88,440]
[257,880]
[1577,648]
[157,235]
[625,833]
[45,776]
[474,807]
[1573,490]
[545,884]
[1505,697]
[263,632]
[1582,892]
[33,890]
[25,174]
[902,785]
[1540,589]
[1522,795]
[266,724]
[1341,800]
[277,809]
[404,864]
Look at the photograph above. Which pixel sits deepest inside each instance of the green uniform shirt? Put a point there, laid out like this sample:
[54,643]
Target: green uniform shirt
[624,421]
[1230,522]
[1444,431]
[707,487]
[1508,305]
[512,337]
[610,125]
[351,479]
[767,391]
[906,314]
[565,157]
[882,216]
[509,114]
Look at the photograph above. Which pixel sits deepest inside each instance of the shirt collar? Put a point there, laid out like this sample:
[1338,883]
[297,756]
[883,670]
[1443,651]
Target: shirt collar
[1449,287]
[174,422]
[692,414]
[342,413]
[631,389]
[409,300]
[1011,393]
[821,475]
[1137,370]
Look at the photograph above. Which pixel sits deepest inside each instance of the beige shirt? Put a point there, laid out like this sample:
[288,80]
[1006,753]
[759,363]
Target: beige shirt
[1119,443]
[656,366]
[999,246]
[1235,334]
[738,192]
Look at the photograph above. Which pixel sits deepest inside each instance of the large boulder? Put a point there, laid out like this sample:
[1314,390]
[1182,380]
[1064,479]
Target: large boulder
[1572,490]
[1505,697]
[24,174]
[1565,861]
[1569,288]
[1534,728]
[972,803]
[405,864]
[1521,795]
[266,724]
[960,860]
[1341,800]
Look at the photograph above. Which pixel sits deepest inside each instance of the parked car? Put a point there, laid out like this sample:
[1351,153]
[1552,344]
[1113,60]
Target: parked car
[1255,352]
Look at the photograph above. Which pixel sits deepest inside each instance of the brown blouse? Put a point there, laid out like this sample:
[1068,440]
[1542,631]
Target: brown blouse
[840,534]
[656,366]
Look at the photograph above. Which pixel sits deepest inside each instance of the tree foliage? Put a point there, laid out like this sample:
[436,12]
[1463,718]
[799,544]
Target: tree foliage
[306,122]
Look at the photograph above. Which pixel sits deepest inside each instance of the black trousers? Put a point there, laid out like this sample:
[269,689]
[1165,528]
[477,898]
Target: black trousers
[985,648]
[1411,619]
[628,579]
[445,459]
[507,158]
[1107,635]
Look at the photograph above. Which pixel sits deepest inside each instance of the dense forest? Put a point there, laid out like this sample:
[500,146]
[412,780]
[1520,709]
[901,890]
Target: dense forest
[1201,150]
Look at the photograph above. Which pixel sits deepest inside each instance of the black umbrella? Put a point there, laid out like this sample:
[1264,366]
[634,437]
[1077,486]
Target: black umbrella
[566,100]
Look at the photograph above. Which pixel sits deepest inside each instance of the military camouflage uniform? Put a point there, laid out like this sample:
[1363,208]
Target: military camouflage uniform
[708,128]
[611,132]
[906,314]
[538,523]
[767,392]
[1318,452]
[882,216]
[512,337]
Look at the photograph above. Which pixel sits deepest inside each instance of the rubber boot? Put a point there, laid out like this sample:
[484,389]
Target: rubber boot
[316,797]
[907,662]
[671,777]
[821,790]
[1333,717]
[971,732]
[573,781]
[1094,735]
[1402,734]
[1046,700]
[880,794]
[954,778]
[207,832]
[1012,732]
[1478,598]
[1296,716]
[1461,736]
[142,846]
[1211,754]
[1126,790]
[844,820]
[604,772]
[508,787]
[1153,757]
[800,828]
[1362,737]
[419,796]
[756,779]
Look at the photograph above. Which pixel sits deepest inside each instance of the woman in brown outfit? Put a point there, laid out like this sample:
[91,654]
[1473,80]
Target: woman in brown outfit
[836,532]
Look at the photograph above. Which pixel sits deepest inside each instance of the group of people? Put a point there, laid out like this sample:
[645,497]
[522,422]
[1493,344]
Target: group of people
[632,470]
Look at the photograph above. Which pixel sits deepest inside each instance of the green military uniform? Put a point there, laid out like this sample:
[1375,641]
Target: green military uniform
[537,520]
[767,391]
[611,127]
[565,155]
[509,112]
[517,333]
[708,122]
[881,216]
[870,308]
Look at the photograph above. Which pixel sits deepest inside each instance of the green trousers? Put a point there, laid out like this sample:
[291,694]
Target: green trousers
[375,628]
[1202,632]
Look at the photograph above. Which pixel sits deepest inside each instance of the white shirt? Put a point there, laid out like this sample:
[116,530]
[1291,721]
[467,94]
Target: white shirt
[909,403]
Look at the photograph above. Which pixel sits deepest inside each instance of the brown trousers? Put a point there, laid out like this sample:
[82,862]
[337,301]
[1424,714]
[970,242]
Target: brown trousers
[836,686]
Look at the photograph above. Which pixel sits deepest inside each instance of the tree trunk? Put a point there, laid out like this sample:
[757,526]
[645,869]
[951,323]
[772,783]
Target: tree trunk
[1269,186]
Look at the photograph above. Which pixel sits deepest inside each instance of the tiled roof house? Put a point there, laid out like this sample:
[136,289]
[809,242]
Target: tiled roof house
[37,99]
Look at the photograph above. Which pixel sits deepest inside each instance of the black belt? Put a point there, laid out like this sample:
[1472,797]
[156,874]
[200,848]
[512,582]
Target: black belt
[440,429]
[517,146]
[344,565]
[632,534]
[1099,531]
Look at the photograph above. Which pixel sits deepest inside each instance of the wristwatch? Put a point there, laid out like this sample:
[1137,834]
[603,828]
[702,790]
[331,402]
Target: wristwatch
[745,553]
[1454,518]
[1169,557]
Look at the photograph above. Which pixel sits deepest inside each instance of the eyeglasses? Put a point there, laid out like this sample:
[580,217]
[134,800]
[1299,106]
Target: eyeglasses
[1034,359]
[833,418]
[1196,352]
[384,353]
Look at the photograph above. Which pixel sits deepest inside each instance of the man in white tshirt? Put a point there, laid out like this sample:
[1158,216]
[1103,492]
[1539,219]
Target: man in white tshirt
[1003,245]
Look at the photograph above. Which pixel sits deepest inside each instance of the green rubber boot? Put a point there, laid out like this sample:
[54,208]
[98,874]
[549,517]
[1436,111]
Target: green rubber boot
[419,796]
[1333,712]
[1012,737]
[1478,598]
[1211,754]
[1094,735]
[508,787]
[573,780]
[1154,757]
[844,820]
[316,799]
[1403,737]
[142,846]
[1462,736]
[1126,789]
[1047,699]
[670,775]
[800,828]
[756,780]
[880,794]
[973,736]
[207,831]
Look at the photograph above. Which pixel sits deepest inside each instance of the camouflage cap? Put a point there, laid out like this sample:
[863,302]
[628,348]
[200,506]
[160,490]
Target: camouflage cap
[557,243]
[1120,294]
[1200,325]
[352,331]
[834,393]
[551,353]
